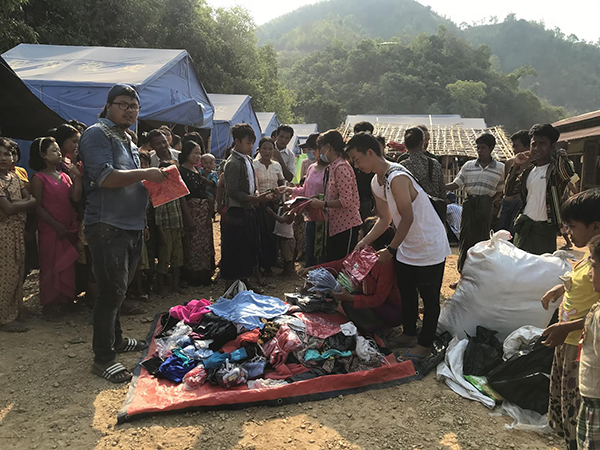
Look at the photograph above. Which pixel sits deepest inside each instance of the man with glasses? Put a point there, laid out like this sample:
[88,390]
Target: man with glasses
[115,217]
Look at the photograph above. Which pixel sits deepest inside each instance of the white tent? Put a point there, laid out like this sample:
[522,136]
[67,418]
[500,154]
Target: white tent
[301,133]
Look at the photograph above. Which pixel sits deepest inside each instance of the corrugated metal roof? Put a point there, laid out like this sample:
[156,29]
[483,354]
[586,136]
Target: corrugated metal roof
[580,134]
[417,119]
[579,118]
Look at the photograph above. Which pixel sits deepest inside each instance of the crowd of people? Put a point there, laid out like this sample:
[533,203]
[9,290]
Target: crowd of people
[85,221]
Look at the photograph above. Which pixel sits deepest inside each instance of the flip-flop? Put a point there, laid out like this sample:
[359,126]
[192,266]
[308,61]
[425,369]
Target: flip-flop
[112,371]
[14,328]
[132,345]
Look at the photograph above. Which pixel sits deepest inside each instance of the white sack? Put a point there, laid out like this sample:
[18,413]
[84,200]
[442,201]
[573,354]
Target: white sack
[501,289]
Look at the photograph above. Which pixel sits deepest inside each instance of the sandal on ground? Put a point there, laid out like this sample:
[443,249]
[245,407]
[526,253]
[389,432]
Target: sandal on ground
[115,373]
[131,345]
[14,327]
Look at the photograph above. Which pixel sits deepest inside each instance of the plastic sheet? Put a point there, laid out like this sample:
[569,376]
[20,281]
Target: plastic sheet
[169,190]
[451,372]
[500,289]
[524,419]
[167,344]
[483,353]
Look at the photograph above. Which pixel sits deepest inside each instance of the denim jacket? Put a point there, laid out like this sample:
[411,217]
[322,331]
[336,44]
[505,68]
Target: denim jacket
[103,148]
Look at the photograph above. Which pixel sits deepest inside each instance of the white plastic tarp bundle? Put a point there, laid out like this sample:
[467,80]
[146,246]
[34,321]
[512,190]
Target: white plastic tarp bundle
[501,289]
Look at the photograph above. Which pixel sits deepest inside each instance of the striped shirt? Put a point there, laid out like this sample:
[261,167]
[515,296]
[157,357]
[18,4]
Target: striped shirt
[477,180]
[453,216]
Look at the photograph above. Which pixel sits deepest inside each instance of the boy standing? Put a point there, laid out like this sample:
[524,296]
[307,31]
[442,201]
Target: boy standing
[483,181]
[581,213]
[169,221]
[208,171]
[542,185]
[239,227]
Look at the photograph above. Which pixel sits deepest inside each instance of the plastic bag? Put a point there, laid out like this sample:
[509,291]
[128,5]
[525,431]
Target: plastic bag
[360,262]
[285,342]
[525,380]
[524,419]
[366,349]
[169,190]
[168,343]
[483,353]
[501,289]
[323,281]
[521,341]
[194,378]
[231,375]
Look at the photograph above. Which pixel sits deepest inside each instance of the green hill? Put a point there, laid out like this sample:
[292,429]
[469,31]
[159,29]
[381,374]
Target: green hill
[566,72]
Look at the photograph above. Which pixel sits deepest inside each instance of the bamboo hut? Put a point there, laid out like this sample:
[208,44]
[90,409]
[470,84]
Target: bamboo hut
[453,144]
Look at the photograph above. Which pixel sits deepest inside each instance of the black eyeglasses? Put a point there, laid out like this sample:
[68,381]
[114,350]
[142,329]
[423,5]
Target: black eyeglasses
[124,106]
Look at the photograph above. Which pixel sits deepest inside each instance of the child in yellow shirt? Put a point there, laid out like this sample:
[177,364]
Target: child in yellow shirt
[581,214]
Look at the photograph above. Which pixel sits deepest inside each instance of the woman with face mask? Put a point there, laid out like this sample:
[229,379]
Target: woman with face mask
[313,186]
[341,204]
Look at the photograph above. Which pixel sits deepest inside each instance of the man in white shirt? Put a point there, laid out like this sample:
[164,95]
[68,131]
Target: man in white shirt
[284,155]
[483,181]
[161,151]
[543,186]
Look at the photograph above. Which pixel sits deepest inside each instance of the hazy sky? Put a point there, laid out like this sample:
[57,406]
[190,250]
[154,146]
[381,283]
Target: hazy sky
[579,17]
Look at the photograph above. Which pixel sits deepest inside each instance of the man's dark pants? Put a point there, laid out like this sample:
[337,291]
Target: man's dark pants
[115,254]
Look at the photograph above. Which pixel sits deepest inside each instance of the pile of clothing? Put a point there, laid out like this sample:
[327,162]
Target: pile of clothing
[256,340]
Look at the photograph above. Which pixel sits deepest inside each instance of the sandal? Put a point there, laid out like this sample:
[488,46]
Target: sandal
[131,345]
[113,373]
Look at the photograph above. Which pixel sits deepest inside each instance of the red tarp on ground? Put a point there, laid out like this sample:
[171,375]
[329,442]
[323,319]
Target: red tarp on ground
[149,395]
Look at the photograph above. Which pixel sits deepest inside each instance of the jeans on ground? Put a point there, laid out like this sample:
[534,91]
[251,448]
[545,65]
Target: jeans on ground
[115,254]
[426,281]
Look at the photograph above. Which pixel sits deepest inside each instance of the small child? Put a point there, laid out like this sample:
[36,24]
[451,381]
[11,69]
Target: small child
[15,202]
[169,221]
[581,213]
[284,229]
[211,179]
[588,423]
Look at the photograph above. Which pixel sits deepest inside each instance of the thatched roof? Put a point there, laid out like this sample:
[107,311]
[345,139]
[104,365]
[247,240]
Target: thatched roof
[446,140]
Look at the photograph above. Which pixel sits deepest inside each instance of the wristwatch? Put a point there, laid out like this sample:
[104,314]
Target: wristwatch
[391,250]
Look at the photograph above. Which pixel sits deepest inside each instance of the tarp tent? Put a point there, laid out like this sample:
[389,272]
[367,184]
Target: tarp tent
[74,81]
[229,111]
[22,115]
[301,133]
[268,122]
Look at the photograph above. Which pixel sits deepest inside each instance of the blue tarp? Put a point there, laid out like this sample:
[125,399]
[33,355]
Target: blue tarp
[268,122]
[229,111]
[74,81]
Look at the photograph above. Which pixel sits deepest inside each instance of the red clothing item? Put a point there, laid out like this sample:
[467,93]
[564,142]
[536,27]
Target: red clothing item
[341,185]
[379,286]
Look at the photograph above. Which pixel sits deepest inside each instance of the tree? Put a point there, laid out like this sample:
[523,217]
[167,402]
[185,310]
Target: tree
[467,97]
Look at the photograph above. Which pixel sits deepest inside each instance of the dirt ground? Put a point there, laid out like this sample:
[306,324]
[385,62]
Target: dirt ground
[49,399]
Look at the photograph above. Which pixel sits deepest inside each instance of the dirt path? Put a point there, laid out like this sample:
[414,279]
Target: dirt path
[49,399]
